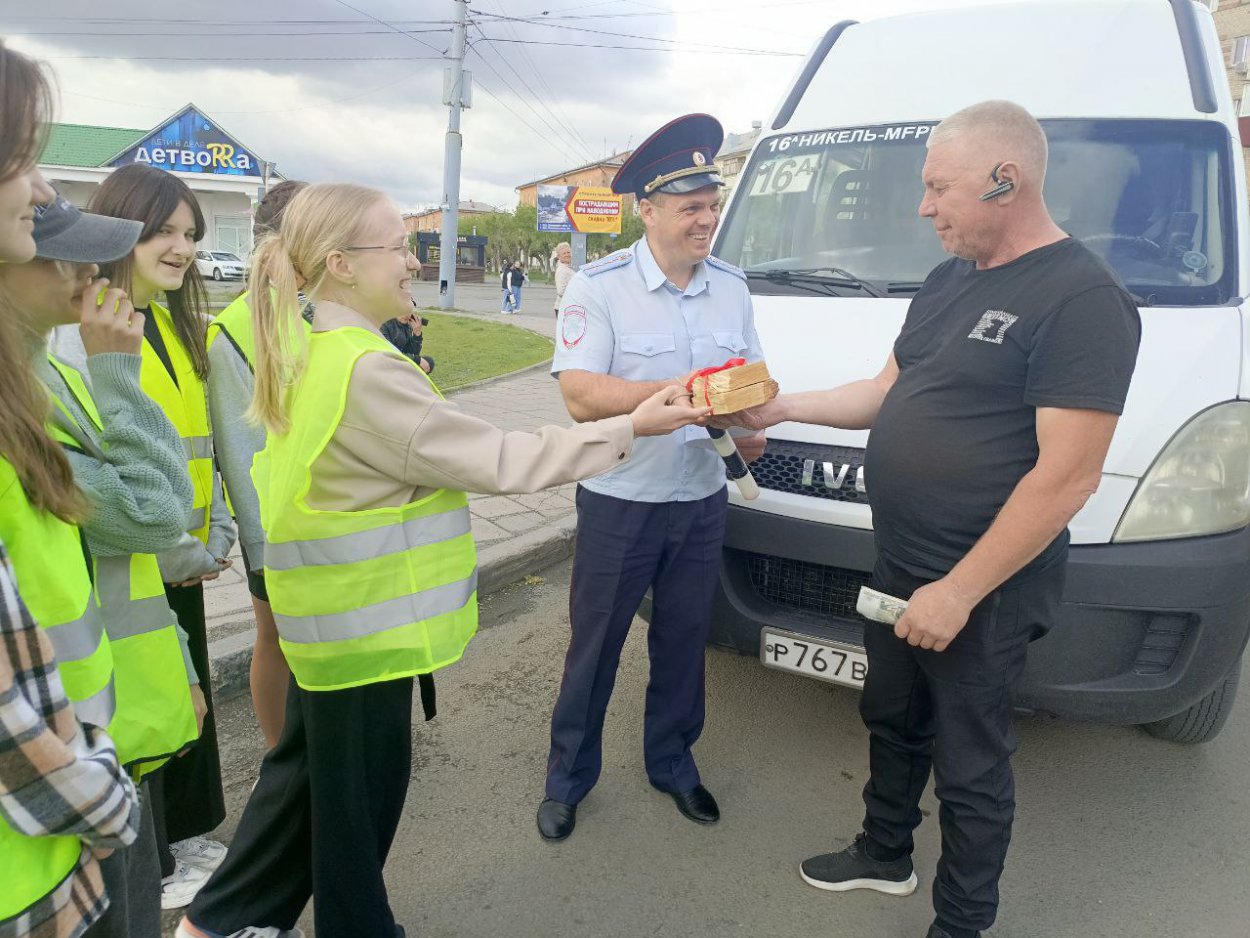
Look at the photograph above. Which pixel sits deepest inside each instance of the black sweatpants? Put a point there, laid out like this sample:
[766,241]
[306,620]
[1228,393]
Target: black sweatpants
[187,797]
[951,711]
[321,819]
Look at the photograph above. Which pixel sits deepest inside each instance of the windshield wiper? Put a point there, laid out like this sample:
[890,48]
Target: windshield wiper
[817,275]
[904,286]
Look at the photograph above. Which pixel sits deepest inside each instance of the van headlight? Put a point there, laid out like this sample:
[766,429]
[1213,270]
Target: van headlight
[1199,484]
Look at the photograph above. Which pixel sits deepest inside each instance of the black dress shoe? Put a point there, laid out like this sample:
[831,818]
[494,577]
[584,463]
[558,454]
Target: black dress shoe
[697,804]
[556,819]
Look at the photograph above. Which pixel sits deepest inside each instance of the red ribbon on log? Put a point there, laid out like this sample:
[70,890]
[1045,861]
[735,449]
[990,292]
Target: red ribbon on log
[704,372]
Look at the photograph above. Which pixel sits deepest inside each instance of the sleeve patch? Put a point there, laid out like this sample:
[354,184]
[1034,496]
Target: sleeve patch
[573,324]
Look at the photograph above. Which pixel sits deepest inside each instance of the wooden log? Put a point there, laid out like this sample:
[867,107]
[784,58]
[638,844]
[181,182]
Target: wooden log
[735,389]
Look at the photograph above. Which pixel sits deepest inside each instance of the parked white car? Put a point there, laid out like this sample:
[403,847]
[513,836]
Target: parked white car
[220,265]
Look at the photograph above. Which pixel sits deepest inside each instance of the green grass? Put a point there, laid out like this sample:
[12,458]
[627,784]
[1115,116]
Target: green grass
[468,350]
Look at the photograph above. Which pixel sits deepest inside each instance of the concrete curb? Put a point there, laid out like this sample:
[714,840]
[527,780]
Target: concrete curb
[498,565]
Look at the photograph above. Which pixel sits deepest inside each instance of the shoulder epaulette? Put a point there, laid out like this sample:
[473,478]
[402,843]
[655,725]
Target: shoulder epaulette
[726,267]
[611,262]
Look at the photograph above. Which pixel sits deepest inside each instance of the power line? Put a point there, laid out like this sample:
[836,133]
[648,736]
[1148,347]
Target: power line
[407,76]
[674,49]
[570,137]
[538,74]
[96,34]
[255,58]
[554,131]
[344,3]
[619,35]
[538,133]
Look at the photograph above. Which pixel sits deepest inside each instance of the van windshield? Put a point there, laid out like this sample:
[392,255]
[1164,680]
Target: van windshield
[835,212]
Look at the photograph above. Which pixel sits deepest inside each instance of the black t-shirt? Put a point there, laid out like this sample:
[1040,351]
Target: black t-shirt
[980,350]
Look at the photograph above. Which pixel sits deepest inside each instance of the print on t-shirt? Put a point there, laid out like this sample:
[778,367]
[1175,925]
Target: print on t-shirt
[993,326]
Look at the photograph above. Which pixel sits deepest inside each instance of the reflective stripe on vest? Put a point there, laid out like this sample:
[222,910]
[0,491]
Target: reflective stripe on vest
[379,617]
[154,715]
[363,545]
[358,596]
[186,405]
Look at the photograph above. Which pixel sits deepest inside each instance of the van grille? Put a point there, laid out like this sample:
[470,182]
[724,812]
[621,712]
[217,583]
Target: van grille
[799,469]
[806,587]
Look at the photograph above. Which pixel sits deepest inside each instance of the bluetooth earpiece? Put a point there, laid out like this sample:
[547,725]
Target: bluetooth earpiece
[1003,185]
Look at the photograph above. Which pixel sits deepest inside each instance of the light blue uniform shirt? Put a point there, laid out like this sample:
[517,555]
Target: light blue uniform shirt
[622,317]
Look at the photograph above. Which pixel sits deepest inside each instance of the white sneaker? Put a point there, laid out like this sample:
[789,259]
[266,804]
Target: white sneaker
[199,852]
[178,889]
[186,930]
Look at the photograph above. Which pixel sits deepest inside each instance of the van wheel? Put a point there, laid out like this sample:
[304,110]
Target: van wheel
[217,274]
[1203,721]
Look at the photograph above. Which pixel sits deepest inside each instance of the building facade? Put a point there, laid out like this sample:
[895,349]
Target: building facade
[1232,22]
[733,155]
[592,174]
[431,219]
[227,177]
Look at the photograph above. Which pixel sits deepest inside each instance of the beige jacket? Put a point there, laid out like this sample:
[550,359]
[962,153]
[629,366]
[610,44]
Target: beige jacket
[398,441]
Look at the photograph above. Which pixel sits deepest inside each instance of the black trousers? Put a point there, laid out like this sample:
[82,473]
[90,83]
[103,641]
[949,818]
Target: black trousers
[951,712]
[321,819]
[623,548]
[187,797]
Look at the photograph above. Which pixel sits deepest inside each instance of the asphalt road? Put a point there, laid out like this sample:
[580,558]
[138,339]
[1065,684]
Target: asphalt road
[1118,835]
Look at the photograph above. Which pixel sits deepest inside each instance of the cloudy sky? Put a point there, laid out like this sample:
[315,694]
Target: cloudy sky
[351,89]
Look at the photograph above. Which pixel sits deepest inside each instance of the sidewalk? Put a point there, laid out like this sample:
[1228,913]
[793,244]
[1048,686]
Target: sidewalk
[515,534]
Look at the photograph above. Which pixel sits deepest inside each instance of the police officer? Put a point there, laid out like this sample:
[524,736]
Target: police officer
[630,324]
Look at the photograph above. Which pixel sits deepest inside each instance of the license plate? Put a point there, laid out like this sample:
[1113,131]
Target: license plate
[825,661]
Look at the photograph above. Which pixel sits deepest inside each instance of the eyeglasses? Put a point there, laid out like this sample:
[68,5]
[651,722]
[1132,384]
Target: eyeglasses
[401,248]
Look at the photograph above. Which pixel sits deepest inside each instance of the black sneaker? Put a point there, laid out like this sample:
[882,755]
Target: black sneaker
[852,868]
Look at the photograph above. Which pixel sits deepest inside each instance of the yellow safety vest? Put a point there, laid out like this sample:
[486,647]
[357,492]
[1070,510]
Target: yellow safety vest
[50,566]
[185,403]
[359,596]
[155,715]
[235,322]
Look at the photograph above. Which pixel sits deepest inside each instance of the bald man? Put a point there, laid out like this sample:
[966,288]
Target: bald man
[990,423]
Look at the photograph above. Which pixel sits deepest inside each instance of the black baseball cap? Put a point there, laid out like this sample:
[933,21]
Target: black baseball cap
[63,233]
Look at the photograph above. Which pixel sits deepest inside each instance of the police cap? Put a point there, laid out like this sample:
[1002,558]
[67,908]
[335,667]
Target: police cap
[676,158]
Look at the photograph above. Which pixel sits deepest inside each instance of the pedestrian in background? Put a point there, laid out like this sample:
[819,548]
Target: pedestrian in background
[188,801]
[236,441]
[66,802]
[516,282]
[1011,369]
[564,271]
[405,333]
[369,558]
[505,284]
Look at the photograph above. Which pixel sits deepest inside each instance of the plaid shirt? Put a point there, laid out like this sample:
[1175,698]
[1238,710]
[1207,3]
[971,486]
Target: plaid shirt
[57,776]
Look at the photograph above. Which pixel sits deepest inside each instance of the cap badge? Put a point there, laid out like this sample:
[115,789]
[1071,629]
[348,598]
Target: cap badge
[699,159]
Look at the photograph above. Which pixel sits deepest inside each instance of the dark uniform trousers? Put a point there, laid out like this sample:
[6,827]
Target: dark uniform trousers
[321,819]
[952,712]
[623,548]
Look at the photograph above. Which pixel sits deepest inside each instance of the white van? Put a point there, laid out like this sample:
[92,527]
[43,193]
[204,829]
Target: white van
[1146,168]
